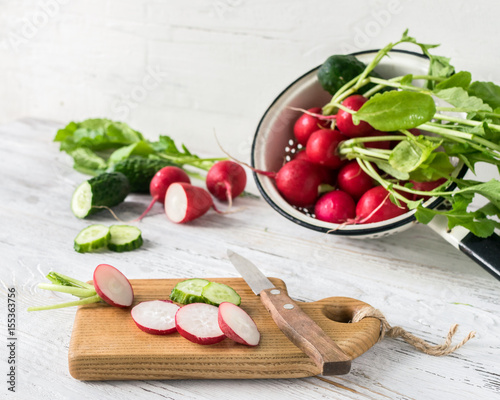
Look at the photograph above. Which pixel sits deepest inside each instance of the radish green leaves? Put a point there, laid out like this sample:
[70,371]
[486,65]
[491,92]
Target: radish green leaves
[457,121]
[394,110]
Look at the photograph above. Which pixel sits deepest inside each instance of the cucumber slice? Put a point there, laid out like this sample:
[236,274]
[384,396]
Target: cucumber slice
[124,238]
[215,293]
[91,238]
[108,189]
[189,291]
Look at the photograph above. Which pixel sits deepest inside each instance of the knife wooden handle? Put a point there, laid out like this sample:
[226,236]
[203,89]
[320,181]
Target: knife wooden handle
[305,333]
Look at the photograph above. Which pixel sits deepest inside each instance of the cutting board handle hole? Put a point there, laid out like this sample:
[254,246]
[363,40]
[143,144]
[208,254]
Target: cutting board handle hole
[338,313]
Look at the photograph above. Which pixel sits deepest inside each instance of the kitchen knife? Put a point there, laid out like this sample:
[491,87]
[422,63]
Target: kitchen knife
[293,322]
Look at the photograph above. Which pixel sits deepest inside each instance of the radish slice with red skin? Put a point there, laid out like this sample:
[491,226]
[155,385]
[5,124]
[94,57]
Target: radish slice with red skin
[112,286]
[238,325]
[185,202]
[198,323]
[156,317]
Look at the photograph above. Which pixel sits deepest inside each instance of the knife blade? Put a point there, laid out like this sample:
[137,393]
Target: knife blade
[297,326]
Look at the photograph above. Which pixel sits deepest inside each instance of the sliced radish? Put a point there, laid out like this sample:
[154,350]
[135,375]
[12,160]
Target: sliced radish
[238,325]
[112,286]
[198,322]
[156,317]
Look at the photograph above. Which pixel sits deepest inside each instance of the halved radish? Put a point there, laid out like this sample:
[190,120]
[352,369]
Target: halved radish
[185,202]
[112,286]
[198,322]
[238,325]
[156,317]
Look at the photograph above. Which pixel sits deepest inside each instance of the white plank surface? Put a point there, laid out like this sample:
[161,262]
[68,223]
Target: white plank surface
[415,278]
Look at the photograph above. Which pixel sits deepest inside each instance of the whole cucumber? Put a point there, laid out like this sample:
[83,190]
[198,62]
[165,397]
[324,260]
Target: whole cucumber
[139,171]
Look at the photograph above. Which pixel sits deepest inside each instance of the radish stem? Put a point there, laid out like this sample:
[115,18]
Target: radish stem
[75,291]
[86,300]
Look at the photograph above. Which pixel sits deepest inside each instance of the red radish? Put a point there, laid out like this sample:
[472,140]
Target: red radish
[112,286]
[161,182]
[198,322]
[185,202]
[384,145]
[226,180]
[301,155]
[375,206]
[426,187]
[237,324]
[298,182]
[336,206]
[156,317]
[344,118]
[306,124]
[353,180]
[322,146]
[329,175]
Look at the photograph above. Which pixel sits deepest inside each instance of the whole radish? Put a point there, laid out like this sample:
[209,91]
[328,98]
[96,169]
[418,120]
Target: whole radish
[375,206]
[322,146]
[344,118]
[306,124]
[161,182]
[353,180]
[298,182]
[329,175]
[336,206]
[226,180]
[185,202]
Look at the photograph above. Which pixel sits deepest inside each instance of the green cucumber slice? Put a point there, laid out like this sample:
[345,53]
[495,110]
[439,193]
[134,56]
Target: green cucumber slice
[189,291]
[124,238]
[91,238]
[215,293]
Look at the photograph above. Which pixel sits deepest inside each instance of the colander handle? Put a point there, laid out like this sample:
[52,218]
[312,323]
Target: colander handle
[484,251]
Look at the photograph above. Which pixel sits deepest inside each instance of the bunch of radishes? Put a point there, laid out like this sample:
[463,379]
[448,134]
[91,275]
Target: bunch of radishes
[184,202]
[320,180]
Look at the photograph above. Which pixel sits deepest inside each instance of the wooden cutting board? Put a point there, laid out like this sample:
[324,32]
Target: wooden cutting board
[107,345]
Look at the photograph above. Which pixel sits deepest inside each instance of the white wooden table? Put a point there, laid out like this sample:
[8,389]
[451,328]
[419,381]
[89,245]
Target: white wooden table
[415,278]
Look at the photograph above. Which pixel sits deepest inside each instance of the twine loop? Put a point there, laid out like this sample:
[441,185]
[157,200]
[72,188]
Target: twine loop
[394,332]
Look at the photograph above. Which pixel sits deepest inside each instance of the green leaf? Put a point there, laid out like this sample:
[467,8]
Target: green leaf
[407,80]
[437,165]
[96,134]
[396,110]
[460,79]
[487,91]
[141,148]
[425,215]
[409,154]
[458,97]
[440,67]
[387,168]
[87,162]
[490,190]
